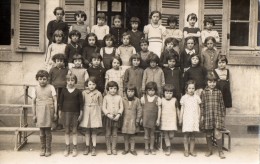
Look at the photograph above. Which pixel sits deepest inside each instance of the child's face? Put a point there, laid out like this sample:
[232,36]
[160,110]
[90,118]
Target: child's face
[91,40]
[96,62]
[169,46]
[117,22]
[126,40]
[79,19]
[134,25]
[172,25]
[58,39]
[100,21]
[75,38]
[191,89]
[168,95]
[153,64]
[144,47]
[59,63]
[195,60]
[222,64]
[136,62]
[209,26]
[151,92]
[171,63]
[210,44]
[192,22]
[130,93]
[155,18]
[115,64]
[112,90]
[109,42]
[211,84]
[91,86]
[43,81]
[190,44]
[77,63]
[59,15]
[71,82]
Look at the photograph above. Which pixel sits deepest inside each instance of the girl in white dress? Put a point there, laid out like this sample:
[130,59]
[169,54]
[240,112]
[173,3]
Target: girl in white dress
[169,115]
[189,117]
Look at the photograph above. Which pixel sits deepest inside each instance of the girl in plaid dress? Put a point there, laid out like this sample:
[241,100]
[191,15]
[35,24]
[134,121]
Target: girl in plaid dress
[212,114]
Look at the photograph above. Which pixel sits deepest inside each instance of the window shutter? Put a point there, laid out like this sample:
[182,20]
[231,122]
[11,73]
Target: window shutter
[215,9]
[29,23]
[175,8]
[70,6]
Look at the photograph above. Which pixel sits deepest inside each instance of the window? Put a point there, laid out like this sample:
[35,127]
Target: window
[5,26]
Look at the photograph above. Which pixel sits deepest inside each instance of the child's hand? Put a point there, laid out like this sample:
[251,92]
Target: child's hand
[141,121]
[110,116]
[136,123]
[55,117]
[157,122]
[116,117]
[80,118]
[201,119]
[34,119]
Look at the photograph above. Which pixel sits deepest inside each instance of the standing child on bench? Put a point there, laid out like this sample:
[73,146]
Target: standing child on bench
[44,110]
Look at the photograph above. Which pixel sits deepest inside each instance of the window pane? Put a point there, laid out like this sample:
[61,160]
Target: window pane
[116,6]
[240,9]
[258,35]
[102,6]
[239,34]
[5,25]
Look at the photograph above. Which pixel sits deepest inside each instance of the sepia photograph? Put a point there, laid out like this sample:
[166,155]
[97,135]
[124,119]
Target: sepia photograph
[130,81]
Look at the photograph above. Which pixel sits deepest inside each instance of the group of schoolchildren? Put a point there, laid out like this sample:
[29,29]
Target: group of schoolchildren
[127,80]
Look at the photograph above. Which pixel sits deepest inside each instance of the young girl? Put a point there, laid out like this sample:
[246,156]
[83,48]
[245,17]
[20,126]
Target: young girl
[90,48]
[151,104]
[116,74]
[71,105]
[174,32]
[196,73]
[117,30]
[57,47]
[153,73]
[169,43]
[125,51]
[112,109]
[135,34]
[80,17]
[134,74]
[186,53]
[97,71]
[192,30]
[131,119]
[155,33]
[212,115]
[210,55]
[58,24]
[223,84]
[108,52]
[91,120]
[189,117]
[101,29]
[80,72]
[144,53]
[173,75]
[73,47]
[209,23]
[44,110]
[169,115]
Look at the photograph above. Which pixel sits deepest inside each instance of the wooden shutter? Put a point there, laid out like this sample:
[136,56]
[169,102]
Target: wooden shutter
[29,21]
[173,8]
[216,10]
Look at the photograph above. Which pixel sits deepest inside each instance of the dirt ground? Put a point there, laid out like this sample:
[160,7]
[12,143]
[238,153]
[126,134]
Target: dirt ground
[244,151]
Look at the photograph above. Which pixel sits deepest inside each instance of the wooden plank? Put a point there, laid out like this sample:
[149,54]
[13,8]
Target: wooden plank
[8,129]
[16,105]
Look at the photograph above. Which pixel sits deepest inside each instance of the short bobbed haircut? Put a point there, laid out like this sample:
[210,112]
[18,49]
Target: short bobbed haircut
[135,20]
[82,13]
[57,33]
[77,56]
[118,59]
[72,76]
[192,16]
[91,35]
[101,16]
[189,38]
[153,57]
[155,12]
[112,84]
[92,79]
[209,20]
[222,58]
[188,83]
[109,37]
[96,55]
[151,85]
[194,55]
[169,88]
[172,19]
[58,8]
[143,41]
[131,87]
[58,56]
[134,56]
[74,32]
[42,73]
[210,38]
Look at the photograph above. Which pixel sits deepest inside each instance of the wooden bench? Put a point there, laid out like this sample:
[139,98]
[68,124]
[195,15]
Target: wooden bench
[224,133]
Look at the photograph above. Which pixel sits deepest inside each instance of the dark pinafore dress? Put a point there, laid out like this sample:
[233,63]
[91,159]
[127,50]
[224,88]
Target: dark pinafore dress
[107,58]
[224,87]
[150,113]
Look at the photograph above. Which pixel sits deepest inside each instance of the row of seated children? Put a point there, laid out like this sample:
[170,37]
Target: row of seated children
[205,112]
[154,32]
